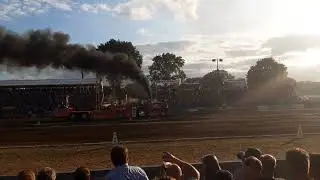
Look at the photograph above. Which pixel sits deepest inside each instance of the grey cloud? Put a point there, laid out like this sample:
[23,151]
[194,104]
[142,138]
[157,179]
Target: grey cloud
[241,64]
[237,73]
[194,72]
[202,65]
[239,69]
[163,47]
[241,52]
[239,57]
[145,69]
[197,66]
[191,73]
[305,74]
[282,45]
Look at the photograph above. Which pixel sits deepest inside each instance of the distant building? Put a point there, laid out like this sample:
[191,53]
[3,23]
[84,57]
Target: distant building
[235,84]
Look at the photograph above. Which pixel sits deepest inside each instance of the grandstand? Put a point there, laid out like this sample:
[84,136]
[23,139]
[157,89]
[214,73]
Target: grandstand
[25,97]
[47,83]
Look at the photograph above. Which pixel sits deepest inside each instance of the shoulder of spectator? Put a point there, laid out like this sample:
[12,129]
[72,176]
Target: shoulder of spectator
[138,168]
[109,175]
[141,172]
[101,178]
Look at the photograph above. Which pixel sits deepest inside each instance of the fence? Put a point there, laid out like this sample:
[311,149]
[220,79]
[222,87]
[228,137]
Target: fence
[154,171]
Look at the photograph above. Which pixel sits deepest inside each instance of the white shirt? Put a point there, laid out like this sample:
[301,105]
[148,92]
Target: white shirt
[126,172]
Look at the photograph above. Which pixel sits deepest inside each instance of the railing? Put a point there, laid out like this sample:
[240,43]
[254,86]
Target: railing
[154,171]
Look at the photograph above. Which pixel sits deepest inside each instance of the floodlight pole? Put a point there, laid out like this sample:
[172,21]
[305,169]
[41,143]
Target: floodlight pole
[217,60]
[219,82]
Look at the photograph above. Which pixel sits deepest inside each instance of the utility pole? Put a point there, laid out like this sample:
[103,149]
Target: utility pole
[219,81]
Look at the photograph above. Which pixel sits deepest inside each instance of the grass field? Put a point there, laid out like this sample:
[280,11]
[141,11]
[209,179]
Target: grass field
[97,156]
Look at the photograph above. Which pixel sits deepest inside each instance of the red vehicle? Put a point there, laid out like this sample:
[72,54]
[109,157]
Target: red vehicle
[109,111]
[152,109]
[158,109]
[62,113]
[131,111]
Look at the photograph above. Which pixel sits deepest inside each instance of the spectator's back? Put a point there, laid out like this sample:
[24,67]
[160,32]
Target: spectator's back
[268,166]
[46,173]
[122,171]
[81,173]
[26,175]
[250,152]
[298,164]
[252,169]
[209,166]
[223,175]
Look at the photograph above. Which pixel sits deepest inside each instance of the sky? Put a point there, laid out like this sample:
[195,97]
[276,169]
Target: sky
[238,31]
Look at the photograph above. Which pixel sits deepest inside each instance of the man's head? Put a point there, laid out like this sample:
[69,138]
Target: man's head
[255,152]
[210,165]
[223,175]
[269,164]
[26,175]
[81,173]
[119,155]
[252,169]
[298,162]
[173,170]
[46,173]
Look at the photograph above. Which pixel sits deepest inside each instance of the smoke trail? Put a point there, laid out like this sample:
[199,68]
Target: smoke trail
[43,48]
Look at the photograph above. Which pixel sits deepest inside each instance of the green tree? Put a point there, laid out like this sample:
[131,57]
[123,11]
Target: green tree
[117,46]
[167,67]
[265,71]
[215,79]
[211,91]
[269,83]
[125,47]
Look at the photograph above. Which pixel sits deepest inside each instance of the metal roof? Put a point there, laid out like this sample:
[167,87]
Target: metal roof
[48,82]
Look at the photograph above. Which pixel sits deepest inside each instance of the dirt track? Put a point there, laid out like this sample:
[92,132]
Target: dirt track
[211,125]
[66,158]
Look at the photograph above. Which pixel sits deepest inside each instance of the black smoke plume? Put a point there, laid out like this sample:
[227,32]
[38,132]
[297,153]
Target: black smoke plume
[43,48]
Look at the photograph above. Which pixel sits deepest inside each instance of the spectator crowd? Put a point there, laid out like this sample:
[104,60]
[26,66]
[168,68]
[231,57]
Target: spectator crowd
[254,166]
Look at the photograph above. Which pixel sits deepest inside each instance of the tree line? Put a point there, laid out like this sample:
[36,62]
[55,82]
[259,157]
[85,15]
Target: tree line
[264,79]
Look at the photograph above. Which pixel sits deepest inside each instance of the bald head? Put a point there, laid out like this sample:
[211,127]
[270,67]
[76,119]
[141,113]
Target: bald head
[173,170]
